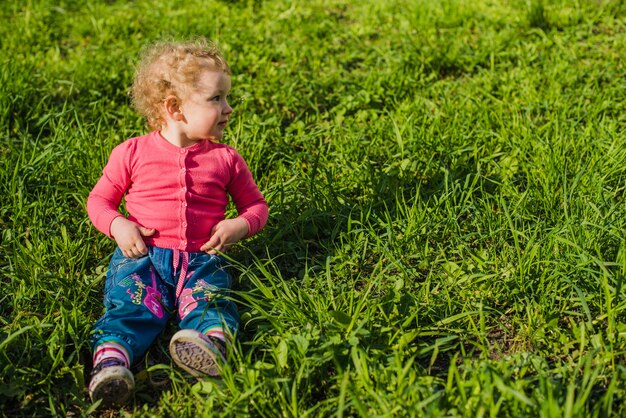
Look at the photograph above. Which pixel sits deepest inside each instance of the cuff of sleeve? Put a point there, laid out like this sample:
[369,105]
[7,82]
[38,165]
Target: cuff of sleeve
[253,224]
[105,219]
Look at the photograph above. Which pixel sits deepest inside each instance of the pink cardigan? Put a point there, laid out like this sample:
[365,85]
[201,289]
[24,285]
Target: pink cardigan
[181,192]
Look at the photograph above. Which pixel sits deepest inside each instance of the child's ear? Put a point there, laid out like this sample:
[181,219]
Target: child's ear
[172,107]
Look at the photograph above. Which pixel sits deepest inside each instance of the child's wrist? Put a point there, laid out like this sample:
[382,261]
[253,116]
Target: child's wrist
[115,223]
[244,227]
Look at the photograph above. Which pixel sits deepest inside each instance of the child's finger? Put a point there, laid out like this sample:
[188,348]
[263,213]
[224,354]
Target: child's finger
[208,246]
[146,232]
[142,249]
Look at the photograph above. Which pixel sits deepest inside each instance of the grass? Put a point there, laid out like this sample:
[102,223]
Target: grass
[446,184]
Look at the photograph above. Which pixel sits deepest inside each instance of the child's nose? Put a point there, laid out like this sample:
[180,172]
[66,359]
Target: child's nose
[228,109]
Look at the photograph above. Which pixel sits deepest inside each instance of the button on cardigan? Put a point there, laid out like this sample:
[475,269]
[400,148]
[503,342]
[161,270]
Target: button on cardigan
[180,192]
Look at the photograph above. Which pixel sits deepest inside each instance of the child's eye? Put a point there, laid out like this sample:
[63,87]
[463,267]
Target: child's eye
[215,98]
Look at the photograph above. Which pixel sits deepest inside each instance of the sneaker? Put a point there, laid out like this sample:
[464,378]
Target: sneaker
[112,382]
[198,354]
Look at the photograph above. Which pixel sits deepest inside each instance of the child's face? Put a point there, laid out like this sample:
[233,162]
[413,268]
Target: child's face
[206,110]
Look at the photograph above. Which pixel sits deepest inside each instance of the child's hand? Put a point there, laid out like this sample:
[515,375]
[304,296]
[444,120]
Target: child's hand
[225,234]
[128,236]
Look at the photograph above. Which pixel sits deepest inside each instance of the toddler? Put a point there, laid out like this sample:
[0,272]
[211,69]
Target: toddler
[176,182]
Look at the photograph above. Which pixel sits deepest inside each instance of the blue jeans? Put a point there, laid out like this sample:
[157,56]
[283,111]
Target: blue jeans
[140,297]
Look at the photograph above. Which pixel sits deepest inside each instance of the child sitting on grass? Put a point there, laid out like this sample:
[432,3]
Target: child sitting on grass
[175,182]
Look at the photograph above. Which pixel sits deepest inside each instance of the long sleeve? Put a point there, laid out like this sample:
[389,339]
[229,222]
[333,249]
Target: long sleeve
[106,196]
[246,196]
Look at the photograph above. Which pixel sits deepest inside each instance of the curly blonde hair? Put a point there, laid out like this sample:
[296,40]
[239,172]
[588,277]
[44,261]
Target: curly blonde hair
[171,68]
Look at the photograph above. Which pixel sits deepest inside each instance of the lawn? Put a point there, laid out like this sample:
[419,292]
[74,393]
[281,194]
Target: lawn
[446,188]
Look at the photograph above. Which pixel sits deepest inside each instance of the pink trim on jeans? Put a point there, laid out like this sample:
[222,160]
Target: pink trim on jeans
[182,277]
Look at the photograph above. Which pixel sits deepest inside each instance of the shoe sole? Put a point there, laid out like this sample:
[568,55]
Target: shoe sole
[113,386]
[196,358]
